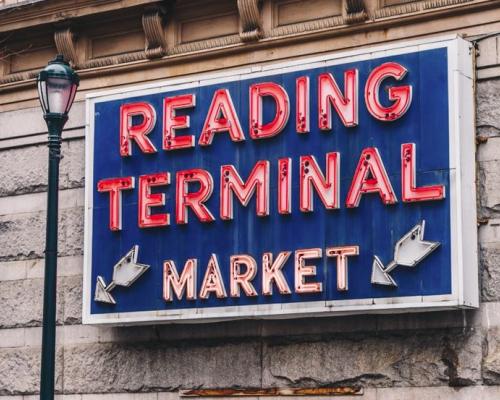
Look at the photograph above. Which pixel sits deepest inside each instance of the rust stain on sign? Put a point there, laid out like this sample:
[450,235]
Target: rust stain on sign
[324,391]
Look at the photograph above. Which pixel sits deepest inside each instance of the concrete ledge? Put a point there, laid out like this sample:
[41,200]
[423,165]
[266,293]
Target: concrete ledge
[487,317]
[398,393]
[32,269]
[34,202]
[30,333]
[33,122]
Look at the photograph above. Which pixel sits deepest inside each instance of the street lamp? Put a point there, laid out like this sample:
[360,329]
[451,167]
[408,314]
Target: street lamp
[57,84]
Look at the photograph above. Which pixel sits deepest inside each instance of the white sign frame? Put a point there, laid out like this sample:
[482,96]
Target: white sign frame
[464,253]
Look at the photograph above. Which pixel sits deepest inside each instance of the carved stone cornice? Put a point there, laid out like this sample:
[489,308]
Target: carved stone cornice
[317,29]
[54,11]
[251,25]
[152,23]
[65,44]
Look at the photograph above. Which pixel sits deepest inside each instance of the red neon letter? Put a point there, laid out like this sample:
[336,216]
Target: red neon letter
[311,175]
[341,253]
[257,91]
[410,191]
[239,279]
[221,117]
[186,282]
[369,177]
[194,200]
[212,281]
[115,186]
[302,104]
[302,271]
[346,105]
[148,200]
[257,181]
[271,271]
[137,132]
[171,122]
[284,185]
[401,95]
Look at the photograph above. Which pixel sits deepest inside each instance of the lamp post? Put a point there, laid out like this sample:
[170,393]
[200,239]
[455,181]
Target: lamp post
[57,84]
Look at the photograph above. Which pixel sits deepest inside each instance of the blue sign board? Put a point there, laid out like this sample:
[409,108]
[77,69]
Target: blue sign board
[333,185]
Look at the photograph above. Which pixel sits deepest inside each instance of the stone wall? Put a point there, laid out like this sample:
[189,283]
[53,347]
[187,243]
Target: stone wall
[439,355]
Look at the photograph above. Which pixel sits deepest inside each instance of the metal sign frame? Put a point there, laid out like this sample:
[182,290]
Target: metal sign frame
[464,263]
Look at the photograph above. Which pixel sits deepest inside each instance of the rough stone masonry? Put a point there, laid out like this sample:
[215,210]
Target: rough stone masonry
[443,355]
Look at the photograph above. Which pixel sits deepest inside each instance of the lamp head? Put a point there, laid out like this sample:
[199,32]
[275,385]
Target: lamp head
[57,84]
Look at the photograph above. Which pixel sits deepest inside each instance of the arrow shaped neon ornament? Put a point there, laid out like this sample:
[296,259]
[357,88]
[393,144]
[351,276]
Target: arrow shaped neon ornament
[408,252]
[125,273]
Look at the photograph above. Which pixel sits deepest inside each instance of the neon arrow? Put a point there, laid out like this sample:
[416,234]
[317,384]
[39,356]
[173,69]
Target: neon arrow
[125,273]
[408,252]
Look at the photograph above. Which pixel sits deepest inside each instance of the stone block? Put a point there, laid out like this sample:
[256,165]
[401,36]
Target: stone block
[490,315]
[410,359]
[489,232]
[491,361]
[488,112]
[489,150]
[24,169]
[489,188]
[20,371]
[439,393]
[160,366]
[21,302]
[71,289]
[489,258]
[123,396]
[23,235]
[488,52]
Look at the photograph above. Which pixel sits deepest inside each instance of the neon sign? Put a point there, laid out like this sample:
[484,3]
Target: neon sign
[285,190]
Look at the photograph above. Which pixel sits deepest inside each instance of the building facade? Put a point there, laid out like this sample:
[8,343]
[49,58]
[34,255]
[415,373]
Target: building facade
[115,45]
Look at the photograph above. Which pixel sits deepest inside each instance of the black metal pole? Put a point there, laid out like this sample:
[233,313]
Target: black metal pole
[55,124]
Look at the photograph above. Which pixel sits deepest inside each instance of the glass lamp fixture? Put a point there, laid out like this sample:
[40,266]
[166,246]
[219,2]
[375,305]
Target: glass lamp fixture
[57,84]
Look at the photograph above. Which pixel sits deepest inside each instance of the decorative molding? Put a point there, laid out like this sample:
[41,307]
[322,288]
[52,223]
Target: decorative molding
[336,25]
[152,23]
[407,8]
[65,44]
[430,4]
[251,25]
[356,11]
[114,60]
[205,44]
[315,25]
[17,77]
[400,9]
